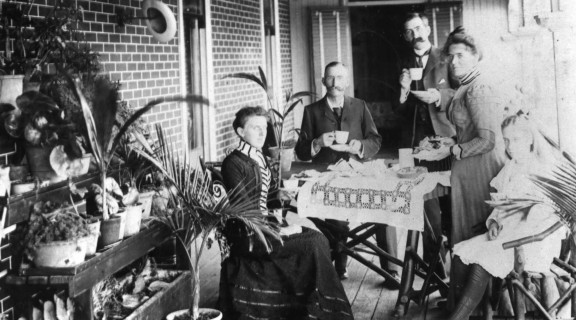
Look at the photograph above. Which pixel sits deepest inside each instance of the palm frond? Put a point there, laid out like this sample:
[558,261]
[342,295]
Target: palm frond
[89,119]
[560,188]
[197,211]
[291,107]
[263,78]
[190,99]
[248,76]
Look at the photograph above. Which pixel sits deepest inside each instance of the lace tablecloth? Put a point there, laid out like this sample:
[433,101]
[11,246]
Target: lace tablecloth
[361,198]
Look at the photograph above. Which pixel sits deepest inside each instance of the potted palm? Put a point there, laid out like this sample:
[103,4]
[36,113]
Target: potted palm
[105,135]
[282,150]
[195,213]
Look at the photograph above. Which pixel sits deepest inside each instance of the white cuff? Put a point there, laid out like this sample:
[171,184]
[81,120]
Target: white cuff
[404,95]
[313,152]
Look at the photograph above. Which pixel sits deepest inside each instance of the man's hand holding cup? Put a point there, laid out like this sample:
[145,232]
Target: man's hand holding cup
[405,79]
[325,140]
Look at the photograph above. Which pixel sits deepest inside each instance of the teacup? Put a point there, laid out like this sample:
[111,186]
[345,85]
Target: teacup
[341,137]
[416,73]
[290,184]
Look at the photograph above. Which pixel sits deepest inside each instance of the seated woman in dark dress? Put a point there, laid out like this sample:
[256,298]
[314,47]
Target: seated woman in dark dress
[296,280]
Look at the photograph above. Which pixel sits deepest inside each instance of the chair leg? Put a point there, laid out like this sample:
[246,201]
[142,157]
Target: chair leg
[519,304]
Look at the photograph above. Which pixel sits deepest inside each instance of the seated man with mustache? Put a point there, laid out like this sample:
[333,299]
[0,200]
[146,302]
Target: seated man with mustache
[336,111]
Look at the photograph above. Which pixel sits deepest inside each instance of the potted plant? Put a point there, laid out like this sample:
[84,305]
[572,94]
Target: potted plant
[194,212]
[281,150]
[105,134]
[52,148]
[56,235]
[14,36]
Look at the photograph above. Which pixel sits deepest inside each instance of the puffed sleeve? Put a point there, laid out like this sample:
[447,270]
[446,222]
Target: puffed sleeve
[484,108]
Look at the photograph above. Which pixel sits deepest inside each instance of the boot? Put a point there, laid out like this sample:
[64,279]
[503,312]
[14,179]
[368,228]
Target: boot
[472,294]
[458,276]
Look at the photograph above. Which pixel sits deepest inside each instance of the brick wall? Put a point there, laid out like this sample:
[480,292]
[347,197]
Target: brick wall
[146,68]
[237,47]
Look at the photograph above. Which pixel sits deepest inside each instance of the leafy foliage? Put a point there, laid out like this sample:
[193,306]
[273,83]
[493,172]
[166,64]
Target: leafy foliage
[51,221]
[194,212]
[279,112]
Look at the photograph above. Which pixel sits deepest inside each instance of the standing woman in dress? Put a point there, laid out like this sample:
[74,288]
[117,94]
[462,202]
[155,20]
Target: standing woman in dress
[476,112]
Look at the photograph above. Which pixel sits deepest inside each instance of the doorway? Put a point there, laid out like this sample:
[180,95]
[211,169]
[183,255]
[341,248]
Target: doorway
[377,49]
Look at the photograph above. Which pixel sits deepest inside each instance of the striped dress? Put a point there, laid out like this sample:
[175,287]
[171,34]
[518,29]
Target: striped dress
[476,112]
[265,173]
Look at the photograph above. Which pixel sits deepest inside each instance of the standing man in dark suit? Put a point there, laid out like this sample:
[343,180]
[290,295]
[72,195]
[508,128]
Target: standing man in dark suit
[422,102]
[337,111]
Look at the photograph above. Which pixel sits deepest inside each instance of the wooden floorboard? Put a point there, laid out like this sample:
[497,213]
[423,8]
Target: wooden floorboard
[364,288]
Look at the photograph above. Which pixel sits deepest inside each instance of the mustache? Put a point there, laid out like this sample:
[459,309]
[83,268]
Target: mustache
[416,40]
[336,88]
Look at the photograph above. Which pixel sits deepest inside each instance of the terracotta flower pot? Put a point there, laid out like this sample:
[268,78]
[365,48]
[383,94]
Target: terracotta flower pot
[133,220]
[112,230]
[39,162]
[214,314]
[286,158]
[60,254]
[92,239]
[146,200]
[10,88]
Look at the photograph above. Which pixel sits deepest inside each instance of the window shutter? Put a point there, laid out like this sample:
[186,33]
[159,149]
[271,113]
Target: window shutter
[330,42]
[443,19]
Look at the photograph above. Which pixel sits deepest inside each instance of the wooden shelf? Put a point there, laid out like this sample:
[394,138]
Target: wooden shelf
[82,277]
[19,205]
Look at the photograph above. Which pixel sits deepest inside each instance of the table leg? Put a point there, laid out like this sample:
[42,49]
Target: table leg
[407,279]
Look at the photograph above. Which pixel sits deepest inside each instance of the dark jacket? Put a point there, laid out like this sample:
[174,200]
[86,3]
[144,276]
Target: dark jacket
[242,174]
[435,76]
[319,119]
[240,171]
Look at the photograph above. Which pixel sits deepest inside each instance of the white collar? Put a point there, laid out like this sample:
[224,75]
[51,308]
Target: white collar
[341,105]
[422,51]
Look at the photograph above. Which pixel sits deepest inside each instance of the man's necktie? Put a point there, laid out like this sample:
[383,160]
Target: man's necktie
[419,61]
[338,113]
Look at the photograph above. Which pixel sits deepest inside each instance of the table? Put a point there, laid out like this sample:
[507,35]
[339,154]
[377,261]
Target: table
[412,264]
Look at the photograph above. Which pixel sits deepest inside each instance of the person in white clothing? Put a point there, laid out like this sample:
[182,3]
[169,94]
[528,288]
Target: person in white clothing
[483,256]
